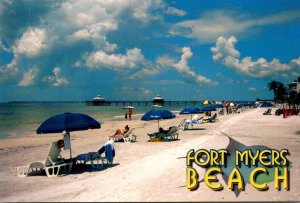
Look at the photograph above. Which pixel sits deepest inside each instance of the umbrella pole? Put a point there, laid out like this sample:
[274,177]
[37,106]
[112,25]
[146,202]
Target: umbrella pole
[70,151]
[158,124]
[67,139]
[70,145]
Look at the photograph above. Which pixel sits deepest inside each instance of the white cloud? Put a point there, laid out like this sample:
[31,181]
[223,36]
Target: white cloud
[29,77]
[56,80]
[137,90]
[32,42]
[9,71]
[175,11]
[183,68]
[252,89]
[145,71]
[145,91]
[225,53]
[76,26]
[296,61]
[2,47]
[226,23]
[130,60]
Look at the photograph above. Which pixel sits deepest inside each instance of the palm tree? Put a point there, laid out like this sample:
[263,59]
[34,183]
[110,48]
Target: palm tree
[297,80]
[273,86]
[281,92]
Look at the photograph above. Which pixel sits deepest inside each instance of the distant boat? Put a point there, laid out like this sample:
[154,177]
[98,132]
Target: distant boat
[97,101]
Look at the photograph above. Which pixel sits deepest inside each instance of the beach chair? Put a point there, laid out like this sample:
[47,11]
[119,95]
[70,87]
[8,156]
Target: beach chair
[172,134]
[268,112]
[93,158]
[196,120]
[181,125]
[211,119]
[53,164]
[221,112]
[96,160]
[127,137]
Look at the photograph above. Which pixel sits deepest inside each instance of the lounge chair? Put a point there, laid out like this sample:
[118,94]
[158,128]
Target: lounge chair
[97,160]
[127,137]
[211,119]
[172,134]
[181,125]
[196,120]
[93,158]
[53,164]
[268,112]
[221,112]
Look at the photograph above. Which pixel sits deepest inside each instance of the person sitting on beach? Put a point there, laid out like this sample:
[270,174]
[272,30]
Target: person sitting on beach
[109,150]
[161,130]
[60,143]
[119,132]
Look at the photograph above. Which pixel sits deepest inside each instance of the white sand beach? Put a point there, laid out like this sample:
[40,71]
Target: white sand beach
[148,171]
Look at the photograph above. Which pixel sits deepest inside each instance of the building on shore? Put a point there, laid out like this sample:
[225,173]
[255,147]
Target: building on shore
[294,86]
[97,101]
[158,100]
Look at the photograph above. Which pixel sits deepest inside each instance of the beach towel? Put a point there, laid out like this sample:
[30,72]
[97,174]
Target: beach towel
[109,152]
[67,143]
[83,157]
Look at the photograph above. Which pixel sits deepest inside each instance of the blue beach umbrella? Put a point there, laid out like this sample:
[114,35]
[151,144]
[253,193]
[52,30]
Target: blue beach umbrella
[218,106]
[190,110]
[67,122]
[266,104]
[208,108]
[240,105]
[157,114]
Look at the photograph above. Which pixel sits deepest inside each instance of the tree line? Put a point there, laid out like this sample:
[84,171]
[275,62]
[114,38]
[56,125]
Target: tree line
[282,93]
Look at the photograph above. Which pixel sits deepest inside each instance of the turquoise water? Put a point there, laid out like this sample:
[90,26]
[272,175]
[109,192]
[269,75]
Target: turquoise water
[17,119]
[23,118]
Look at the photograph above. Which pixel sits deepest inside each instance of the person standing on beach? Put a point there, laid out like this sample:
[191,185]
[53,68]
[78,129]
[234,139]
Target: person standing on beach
[126,115]
[129,113]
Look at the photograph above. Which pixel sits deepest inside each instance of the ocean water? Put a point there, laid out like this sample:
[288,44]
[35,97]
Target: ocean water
[22,118]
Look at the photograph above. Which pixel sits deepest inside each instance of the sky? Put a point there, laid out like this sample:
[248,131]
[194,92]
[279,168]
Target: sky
[73,50]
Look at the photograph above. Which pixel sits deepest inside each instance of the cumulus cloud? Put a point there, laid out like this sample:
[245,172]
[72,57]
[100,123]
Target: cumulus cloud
[145,91]
[217,23]
[252,89]
[56,80]
[130,60]
[2,47]
[225,54]
[32,42]
[183,68]
[175,11]
[9,72]
[29,77]
[54,33]
[126,90]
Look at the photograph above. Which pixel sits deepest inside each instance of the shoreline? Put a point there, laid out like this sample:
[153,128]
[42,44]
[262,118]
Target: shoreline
[146,171]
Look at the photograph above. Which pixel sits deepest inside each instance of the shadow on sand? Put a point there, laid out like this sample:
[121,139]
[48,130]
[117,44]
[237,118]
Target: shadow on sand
[82,168]
[195,129]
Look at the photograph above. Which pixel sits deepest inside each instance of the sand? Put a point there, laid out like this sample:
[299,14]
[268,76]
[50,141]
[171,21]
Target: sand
[147,171]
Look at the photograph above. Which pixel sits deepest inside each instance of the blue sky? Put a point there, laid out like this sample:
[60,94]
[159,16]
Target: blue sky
[181,50]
